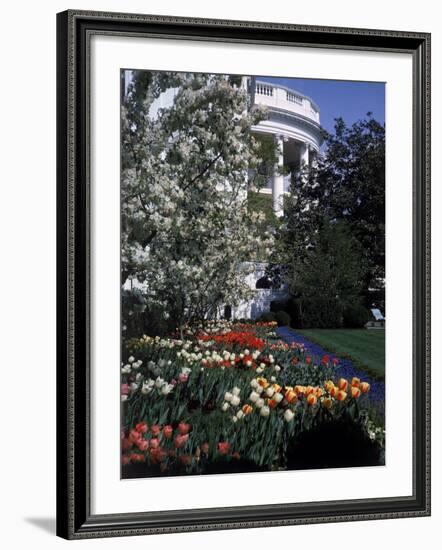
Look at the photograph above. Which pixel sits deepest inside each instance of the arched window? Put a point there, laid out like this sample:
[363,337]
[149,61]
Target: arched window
[264,282]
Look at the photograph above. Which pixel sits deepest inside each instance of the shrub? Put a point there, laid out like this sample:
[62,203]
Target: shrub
[282,318]
[355,316]
[267,317]
[317,312]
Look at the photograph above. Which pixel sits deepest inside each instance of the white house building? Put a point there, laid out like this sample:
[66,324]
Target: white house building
[293,121]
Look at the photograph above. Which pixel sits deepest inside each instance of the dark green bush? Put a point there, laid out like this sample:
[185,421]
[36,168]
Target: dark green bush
[317,312]
[267,317]
[355,316]
[282,318]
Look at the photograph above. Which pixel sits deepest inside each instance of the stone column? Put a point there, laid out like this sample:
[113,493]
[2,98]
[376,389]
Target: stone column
[278,178]
[305,155]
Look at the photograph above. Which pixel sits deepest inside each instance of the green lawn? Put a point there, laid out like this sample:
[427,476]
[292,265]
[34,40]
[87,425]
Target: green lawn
[366,348]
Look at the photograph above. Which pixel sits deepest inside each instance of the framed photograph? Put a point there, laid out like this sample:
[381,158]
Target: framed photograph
[243,274]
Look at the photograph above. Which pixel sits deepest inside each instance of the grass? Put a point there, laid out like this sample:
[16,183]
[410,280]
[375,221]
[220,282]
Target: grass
[366,348]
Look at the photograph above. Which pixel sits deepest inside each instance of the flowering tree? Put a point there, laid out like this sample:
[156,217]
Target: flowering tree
[186,230]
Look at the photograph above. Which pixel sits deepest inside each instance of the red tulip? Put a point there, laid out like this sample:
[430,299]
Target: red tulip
[141,427]
[223,448]
[180,440]
[183,428]
[155,430]
[167,431]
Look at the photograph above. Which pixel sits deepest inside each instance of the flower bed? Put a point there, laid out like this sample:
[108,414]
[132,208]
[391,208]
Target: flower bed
[231,397]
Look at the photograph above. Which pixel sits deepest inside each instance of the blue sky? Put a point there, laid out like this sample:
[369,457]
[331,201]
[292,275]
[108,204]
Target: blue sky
[339,98]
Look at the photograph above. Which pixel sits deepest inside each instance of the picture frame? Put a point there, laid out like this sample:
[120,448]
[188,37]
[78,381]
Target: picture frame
[75,519]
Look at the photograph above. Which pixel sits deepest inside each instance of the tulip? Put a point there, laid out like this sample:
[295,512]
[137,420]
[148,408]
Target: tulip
[355,382]
[180,441]
[289,415]
[277,387]
[126,444]
[290,396]
[327,402]
[247,409]
[239,414]
[154,443]
[253,397]
[223,448]
[278,397]
[134,436]
[225,406]
[329,385]
[312,399]
[263,383]
[343,384]
[155,430]
[228,396]
[365,387]
[167,431]
[235,401]
[272,403]
[265,411]
[355,392]
[341,395]
[124,389]
[143,445]
[183,377]
[260,403]
[236,391]
[309,390]
[183,428]
[270,391]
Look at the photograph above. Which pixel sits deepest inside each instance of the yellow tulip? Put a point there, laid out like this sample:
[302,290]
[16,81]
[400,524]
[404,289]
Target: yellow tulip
[341,395]
[355,382]
[355,392]
[365,387]
[343,384]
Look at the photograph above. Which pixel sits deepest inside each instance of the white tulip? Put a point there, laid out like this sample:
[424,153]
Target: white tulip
[278,397]
[253,397]
[289,415]
[277,368]
[260,402]
[225,406]
[265,411]
[239,414]
[131,359]
[235,401]
[228,396]
[270,391]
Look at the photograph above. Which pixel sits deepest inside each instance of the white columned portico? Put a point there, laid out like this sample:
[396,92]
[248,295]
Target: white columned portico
[278,177]
[305,155]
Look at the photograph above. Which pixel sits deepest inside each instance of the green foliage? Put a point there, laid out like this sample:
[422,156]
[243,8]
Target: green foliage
[267,317]
[282,318]
[317,312]
[345,186]
[354,316]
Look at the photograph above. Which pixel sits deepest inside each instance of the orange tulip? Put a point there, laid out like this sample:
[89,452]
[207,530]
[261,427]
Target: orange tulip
[333,392]
[290,396]
[277,387]
[341,395]
[299,389]
[355,392]
[365,387]
[272,403]
[327,402]
[318,392]
[309,390]
[312,399]
[343,384]
[247,409]
[355,382]
[263,383]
